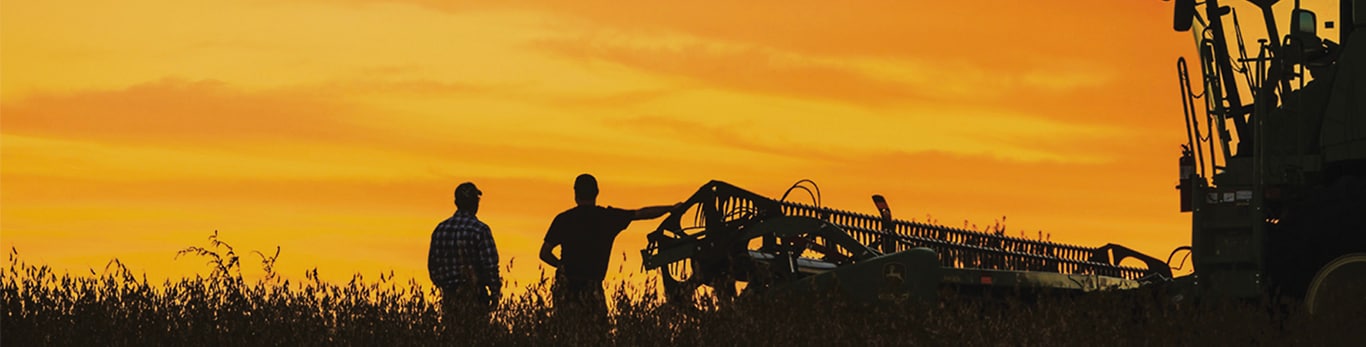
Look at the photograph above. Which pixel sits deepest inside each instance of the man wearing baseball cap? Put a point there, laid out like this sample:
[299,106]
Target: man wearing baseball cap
[585,235]
[463,260]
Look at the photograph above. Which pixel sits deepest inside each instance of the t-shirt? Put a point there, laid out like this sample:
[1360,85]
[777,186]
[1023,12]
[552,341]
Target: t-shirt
[585,235]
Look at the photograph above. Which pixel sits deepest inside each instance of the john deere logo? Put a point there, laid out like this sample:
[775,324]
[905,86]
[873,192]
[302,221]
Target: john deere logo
[894,271]
[893,282]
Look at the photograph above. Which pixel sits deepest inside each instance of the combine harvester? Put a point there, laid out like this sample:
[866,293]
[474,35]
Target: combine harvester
[1278,197]
[1276,188]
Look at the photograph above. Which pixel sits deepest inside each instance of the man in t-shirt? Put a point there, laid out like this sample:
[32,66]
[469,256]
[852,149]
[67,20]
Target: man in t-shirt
[585,235]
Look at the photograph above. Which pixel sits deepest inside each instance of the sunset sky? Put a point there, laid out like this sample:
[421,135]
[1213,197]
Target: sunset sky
[337,130]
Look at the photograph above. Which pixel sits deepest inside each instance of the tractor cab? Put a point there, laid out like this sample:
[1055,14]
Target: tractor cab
[1274,168]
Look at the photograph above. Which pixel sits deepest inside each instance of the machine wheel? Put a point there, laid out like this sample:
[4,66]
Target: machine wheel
[728,270]
[683,281]
[1320,226]
[1339,288]
[679,280]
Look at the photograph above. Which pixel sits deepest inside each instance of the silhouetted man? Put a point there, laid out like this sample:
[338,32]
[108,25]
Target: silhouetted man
[585,235]
[463,260]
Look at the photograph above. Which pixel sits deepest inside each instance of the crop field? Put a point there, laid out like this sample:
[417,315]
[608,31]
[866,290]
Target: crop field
[221,308]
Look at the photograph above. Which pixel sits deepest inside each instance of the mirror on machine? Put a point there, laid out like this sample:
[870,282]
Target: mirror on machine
[1184,15]
[1303,23]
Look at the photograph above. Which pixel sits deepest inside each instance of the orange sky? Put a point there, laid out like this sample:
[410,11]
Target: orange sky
[337,129]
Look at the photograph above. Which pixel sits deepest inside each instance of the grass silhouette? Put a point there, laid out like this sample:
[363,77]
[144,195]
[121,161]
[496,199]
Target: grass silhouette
[116,307]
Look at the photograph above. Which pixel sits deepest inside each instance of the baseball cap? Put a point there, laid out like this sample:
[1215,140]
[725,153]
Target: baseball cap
[466,191]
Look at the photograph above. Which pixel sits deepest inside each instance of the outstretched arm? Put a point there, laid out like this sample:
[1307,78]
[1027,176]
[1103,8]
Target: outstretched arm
[653,212]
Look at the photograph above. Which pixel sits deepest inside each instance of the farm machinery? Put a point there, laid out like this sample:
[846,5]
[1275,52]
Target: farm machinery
[1276,188]
[739,242]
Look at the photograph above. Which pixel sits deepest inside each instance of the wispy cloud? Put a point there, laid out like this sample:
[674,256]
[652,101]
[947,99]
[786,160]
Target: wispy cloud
[174,112]
[994,35]
[1067,61]
[752,70]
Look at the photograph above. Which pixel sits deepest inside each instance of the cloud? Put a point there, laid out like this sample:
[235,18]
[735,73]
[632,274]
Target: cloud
[209,113]
[1067,61]
[830,134]
[991,34]
[747,69]
[60,47]
[179,112]
[215,132]
[1072,92]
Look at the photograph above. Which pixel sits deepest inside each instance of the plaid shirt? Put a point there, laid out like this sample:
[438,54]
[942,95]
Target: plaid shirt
[462,253]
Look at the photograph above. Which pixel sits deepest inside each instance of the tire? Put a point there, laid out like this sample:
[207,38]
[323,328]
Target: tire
[1338,290]
[1322,225]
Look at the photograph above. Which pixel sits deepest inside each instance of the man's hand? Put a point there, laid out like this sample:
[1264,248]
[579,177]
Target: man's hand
[653,212]
[548,255]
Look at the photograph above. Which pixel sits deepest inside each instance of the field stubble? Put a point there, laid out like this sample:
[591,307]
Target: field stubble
[221,308]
